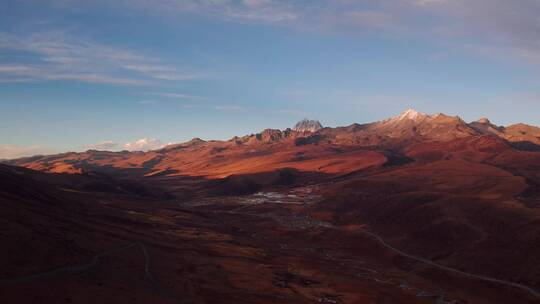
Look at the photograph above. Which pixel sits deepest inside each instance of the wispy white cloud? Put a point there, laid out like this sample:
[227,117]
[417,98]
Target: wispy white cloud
[371,19]
[147,102]
[256,3]
[189,101]
[178,95]
[16,151]
[214,107]
[293,112]
[504,29]
[229,108]
[144,144]
[265,11]
[163,72]
[107,145]
[428,2]
[57,55]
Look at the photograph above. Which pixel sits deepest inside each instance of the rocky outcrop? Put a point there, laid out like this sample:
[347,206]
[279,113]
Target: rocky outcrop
[307,125]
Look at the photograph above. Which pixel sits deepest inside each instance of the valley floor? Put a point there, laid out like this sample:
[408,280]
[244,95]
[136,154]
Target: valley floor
[261,248]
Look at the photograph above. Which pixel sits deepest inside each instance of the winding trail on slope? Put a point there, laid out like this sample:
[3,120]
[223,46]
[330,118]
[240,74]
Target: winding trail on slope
[380,240]
[93,263]
[446,268]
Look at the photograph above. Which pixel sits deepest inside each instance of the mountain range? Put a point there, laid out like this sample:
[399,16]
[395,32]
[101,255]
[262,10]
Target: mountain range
[255,153]
[459,202]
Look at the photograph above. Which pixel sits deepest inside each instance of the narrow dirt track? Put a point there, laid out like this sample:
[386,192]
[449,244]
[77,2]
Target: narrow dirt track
[379,239]
[449,269]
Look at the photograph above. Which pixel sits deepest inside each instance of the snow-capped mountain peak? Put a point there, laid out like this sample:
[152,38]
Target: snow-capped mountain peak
[411,114]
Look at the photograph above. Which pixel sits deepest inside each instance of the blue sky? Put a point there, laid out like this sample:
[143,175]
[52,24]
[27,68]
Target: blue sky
[139,74]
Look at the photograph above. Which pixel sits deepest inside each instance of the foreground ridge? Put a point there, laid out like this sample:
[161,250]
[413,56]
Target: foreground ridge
[93,263]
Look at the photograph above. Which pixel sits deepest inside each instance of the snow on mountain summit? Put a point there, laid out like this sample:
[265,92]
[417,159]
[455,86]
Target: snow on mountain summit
[411,114]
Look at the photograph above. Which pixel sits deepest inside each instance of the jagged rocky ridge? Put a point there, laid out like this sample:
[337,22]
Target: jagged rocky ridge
[306,125]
